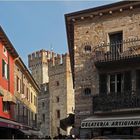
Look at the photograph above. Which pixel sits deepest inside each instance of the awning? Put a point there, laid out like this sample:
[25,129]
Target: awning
[118,121]
[26,132]
[8,97]
[35,132]
[9,123]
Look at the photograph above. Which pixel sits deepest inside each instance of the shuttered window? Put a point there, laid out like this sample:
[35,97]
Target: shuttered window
[103,84]
[138,80]
[5,69]
[127,81]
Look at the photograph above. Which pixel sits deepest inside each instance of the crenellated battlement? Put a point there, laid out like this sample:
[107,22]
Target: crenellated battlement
[58,60]
[40,54]
[40,57]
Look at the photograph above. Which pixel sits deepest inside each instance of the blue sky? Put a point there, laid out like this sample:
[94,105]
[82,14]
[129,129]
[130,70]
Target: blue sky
[35,25]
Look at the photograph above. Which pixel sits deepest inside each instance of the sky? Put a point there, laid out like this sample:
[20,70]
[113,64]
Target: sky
[35,25]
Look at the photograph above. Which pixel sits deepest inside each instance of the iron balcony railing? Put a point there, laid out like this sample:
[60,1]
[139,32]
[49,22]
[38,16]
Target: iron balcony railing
[116,101]
[117,50]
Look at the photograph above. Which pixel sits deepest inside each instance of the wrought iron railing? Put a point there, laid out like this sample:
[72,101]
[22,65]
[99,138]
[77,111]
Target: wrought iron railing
[116,101]
[117,50]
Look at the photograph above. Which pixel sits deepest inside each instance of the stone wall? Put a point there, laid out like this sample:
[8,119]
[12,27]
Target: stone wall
[61,92]
[95,31]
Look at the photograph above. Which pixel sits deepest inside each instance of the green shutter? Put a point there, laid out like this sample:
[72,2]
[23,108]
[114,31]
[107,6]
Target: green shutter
[3,67]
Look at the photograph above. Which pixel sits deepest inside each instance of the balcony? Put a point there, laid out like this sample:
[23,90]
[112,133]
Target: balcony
[114,102]
[124,52]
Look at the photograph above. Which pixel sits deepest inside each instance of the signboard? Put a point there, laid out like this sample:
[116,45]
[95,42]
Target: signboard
[110,123]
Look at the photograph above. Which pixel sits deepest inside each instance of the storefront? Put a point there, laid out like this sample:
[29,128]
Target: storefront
[103,126]
[12,130]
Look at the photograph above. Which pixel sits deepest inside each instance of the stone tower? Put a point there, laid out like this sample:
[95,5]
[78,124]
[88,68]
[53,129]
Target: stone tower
[38,64]
[62,94]
[56,101]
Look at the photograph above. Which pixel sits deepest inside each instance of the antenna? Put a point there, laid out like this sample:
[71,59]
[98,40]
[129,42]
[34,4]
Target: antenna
[51,48]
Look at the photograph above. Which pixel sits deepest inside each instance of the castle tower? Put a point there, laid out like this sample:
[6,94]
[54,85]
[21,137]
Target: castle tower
[38,64]
[62,93]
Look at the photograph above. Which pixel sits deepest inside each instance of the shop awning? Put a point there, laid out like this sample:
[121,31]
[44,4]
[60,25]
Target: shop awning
[26,132]
[118,121]
[9,123]
[35,132]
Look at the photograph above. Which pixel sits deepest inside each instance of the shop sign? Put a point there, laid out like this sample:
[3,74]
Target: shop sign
[110,123]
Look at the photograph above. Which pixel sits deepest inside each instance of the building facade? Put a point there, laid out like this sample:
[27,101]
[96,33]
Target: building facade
[26,92]
[104,49]
[56,90]
[38,65]
[15,123]
[61,93]
[44,109]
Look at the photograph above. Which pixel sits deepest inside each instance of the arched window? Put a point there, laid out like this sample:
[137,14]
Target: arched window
[87,91]
[87,48]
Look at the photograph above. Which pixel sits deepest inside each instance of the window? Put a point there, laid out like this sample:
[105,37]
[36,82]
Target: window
[58,130]
[57,99]
[116,44]
[18,84]
[35,100]
[5,69]
[57,83]
[87,48]
[43,104]
[115,83]
[23,91]
[27,95]
[87,91]
[58,113]
[45,88]
[43,117]
[4,51]
[31,97]
[6,106]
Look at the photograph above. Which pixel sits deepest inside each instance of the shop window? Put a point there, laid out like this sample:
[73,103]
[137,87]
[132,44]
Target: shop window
[87,48]
[87,91]
[5,69]
[6,106]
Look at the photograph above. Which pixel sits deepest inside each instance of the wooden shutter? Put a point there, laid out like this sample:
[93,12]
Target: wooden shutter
[127,81]
[102,84]
[3,68]
[138,80]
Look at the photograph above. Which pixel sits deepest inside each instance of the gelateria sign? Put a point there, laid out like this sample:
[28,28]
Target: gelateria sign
[110,123]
